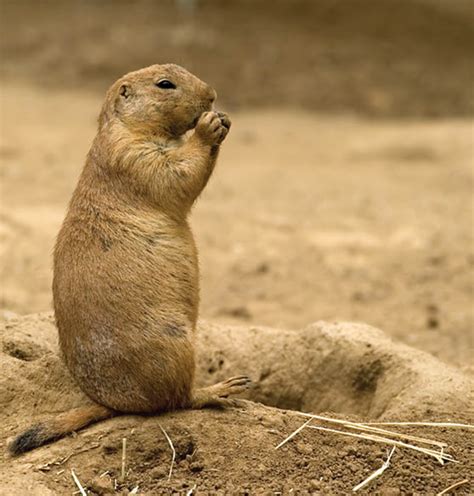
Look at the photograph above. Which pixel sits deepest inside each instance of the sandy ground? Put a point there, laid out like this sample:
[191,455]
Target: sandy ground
[345,369]
[307,217]
[343,193]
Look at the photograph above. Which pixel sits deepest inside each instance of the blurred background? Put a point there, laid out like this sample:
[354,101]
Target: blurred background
[344,191]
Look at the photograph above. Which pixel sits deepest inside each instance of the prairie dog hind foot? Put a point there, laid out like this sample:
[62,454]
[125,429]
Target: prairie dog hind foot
[218,394]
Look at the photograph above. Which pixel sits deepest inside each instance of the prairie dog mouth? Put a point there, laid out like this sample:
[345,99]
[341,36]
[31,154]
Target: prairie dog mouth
[195,121]
[204,108]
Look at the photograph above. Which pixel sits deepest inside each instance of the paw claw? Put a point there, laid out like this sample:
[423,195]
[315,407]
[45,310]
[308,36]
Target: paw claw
[226,122]
[240,380]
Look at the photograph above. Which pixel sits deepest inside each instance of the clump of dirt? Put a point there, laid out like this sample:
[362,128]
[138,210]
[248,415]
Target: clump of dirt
[339,367]
[324,367]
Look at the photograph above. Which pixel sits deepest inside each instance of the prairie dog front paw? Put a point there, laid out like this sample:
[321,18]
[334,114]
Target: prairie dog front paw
[212,127]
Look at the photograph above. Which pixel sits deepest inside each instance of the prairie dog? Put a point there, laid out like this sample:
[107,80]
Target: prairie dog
[126,278]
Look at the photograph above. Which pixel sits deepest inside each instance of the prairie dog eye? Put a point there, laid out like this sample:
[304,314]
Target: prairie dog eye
[165,84]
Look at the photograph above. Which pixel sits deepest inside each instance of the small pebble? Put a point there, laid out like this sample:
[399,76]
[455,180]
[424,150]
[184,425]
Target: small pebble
[102,485]
[196,466]
[159,472]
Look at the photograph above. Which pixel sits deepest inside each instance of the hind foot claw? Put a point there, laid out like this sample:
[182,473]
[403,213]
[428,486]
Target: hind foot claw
[217,394]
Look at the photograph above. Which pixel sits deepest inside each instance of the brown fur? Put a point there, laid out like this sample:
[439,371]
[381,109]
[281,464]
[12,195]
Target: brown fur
[126,282]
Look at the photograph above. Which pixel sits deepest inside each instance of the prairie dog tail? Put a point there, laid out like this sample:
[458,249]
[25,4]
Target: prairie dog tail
[57,427]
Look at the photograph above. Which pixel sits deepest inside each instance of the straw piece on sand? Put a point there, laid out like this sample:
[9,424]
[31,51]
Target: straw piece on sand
[453,486]
[172,450]
[375,474]
[440,456]
[78,483]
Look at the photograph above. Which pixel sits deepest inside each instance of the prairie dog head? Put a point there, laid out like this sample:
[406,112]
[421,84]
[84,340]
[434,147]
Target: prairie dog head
[160,100]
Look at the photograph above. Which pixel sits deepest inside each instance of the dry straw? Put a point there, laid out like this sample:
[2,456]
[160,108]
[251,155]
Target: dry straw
[375,434]
[370,427]
[376,474]
[439,455]
[453,486]
[371,432]
[124,458]
[425,424]
[78,483]
[172,450]
[191,491]
[293,434]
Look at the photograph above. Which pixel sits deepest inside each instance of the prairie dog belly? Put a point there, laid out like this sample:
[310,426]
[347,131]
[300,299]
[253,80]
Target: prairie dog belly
[117,268]
[131,299]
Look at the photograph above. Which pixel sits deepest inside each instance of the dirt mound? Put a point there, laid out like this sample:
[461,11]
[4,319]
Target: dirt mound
[341,368]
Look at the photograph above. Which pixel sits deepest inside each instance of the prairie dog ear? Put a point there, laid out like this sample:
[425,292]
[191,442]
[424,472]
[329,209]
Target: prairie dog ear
[115,102]
[125,91]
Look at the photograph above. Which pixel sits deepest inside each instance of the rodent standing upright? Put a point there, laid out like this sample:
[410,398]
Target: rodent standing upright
[126,281]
